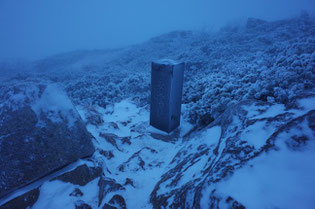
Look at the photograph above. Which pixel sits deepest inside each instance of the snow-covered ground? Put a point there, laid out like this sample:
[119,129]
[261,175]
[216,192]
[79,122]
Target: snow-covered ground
[132,122]
[280,178]
[138,157]
[256,155]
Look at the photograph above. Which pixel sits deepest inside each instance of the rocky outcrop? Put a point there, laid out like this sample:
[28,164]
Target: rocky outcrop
[245,131]
[138,161]
[24,201]
[115,140]
[40,132]
[81,176]
[116,202]
[106,186]
[82,205]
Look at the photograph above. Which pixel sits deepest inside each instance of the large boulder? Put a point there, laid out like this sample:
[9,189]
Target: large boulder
[40,132]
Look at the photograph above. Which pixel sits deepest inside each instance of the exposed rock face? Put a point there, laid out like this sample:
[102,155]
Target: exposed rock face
[81,175]
[244,132]
[40,131]
[118,201]
[136,161]
[107,185]
[76,193]
[107,206]
[24,201]
[115,140]
[81,205]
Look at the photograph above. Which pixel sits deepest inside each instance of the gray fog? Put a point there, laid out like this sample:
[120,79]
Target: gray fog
[33,29]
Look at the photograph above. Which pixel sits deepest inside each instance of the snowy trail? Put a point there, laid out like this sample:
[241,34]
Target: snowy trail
[128,150]
[144,160]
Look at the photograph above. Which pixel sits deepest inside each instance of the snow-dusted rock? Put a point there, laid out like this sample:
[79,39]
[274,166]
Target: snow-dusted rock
[118,202]
[81,175]
[40,132]
[202,174]
[82,205]
[107,186]
[24,201]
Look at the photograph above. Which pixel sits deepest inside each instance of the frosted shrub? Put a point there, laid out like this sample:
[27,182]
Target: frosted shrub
[268,61]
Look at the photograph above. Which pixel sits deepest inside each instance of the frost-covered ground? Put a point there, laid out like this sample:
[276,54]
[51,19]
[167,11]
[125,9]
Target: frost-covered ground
[256,155]
[127,149]
[261,60]
[247,133]
[246,171]
[136,155]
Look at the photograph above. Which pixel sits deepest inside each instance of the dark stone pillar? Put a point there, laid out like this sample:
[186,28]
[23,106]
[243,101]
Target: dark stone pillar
[166,94]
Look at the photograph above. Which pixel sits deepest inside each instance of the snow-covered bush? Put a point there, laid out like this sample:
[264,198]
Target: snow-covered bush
[269,61]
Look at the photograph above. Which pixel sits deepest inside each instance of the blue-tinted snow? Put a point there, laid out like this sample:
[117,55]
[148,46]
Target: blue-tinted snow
[56,104]
[132,121]
[282,179]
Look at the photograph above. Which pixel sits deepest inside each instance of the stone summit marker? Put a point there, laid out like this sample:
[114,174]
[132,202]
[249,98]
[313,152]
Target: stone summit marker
[166,94]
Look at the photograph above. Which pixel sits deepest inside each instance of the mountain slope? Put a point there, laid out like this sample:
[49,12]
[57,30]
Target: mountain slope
[247,131]
[263,60]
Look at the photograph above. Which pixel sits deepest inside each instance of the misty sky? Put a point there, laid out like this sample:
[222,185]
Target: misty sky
[34,29]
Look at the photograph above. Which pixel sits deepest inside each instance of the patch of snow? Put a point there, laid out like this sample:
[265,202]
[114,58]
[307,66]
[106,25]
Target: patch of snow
[307,103]
[192,171]
[253,110]
[56,104]
[39,182]
[283,179]
[272,111]
[211,136]
[256,134]
[156,163]
[167,62]
[204,200]
[17,98]
[124,111]
[56,194]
